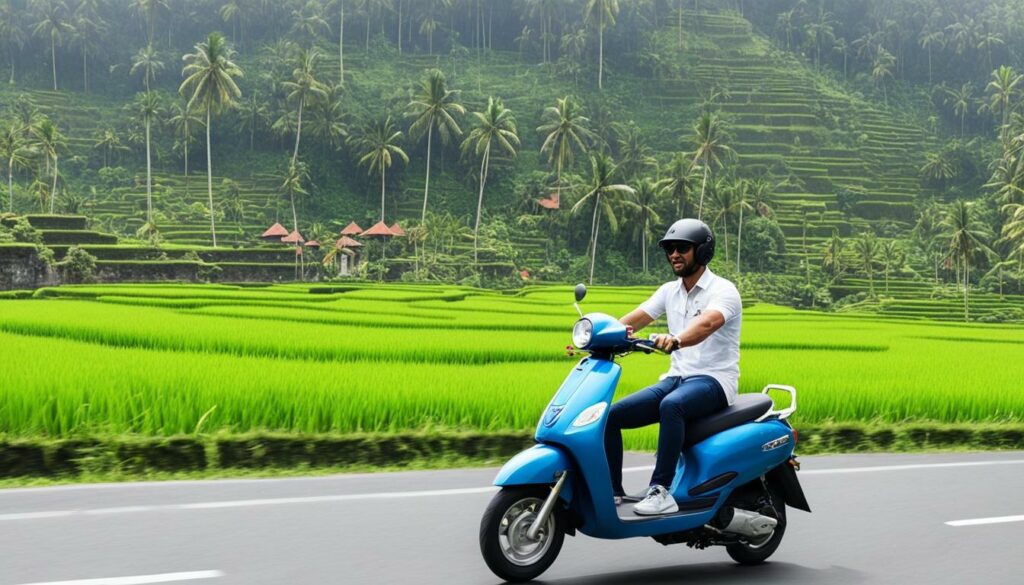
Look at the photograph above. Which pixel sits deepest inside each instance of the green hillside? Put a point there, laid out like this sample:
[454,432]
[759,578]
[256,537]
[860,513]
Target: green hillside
[830,155]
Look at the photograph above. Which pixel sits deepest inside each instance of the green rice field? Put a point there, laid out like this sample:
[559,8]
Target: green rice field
[160,360]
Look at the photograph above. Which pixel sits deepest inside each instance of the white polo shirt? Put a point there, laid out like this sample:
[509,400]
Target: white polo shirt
[717,356]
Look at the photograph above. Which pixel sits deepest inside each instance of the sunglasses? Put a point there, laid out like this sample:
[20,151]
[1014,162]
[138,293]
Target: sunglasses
[681,247]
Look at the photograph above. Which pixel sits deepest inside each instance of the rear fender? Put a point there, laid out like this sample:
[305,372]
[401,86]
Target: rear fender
[783,480]
[541,465]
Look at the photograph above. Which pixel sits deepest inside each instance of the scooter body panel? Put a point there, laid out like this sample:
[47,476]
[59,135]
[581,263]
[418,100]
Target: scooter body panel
[541,465]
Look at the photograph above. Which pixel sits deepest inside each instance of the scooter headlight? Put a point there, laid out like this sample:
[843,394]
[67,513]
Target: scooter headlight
[582,333]
[590,415]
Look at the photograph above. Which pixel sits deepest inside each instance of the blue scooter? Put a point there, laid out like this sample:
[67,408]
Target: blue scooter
[736,475]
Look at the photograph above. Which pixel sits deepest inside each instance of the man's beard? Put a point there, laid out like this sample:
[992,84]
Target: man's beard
[687,269]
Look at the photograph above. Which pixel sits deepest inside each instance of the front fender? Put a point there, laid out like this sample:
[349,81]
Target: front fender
[537,465]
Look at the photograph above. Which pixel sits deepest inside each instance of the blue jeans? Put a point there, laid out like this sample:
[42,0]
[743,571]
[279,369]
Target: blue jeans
[671,402]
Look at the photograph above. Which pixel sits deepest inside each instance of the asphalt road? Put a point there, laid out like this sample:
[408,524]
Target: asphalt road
[876,519]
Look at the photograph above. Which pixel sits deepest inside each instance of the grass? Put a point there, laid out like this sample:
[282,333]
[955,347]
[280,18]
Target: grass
[180,360]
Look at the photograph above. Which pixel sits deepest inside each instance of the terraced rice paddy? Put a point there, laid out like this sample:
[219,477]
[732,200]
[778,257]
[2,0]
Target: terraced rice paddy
[173,359]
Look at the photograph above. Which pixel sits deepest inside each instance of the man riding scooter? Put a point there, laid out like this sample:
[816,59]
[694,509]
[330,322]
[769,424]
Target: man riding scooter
[703,311]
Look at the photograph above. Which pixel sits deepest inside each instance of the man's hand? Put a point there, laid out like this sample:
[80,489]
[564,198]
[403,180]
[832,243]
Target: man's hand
[666,343]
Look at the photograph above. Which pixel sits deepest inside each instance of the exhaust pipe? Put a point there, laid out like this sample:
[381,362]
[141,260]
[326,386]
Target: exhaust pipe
[746,523]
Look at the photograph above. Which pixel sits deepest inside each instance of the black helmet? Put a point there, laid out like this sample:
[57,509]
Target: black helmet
[697,233]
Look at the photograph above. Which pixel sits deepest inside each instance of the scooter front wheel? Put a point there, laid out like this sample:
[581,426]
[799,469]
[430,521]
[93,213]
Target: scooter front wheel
[506,548]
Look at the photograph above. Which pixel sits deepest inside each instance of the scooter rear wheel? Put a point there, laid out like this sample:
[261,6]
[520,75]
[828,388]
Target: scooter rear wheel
[506,548]
[755,553]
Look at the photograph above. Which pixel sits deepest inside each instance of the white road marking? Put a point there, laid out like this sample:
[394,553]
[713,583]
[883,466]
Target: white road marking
[421,494]
[981,521]
[139,579]
[912,466]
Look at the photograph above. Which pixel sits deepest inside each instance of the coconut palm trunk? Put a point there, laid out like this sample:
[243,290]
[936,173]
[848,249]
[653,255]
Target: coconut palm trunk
[298,131]
[480,200]
[85,69]
[341,45]
[739,241]
[10,184]
[53,53]
[600,57]
[209,177]
[595,226]
[426,187]
[53,190]
[703,184]
[149,179]
[382,189]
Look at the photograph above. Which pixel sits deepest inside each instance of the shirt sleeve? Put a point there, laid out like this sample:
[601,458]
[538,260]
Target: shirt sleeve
[655,306]
[727,302]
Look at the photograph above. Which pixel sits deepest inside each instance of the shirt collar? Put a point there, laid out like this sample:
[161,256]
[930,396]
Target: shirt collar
[702,283]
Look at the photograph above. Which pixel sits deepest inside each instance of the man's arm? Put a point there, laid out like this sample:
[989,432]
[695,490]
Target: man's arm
[701,328]
[637,319]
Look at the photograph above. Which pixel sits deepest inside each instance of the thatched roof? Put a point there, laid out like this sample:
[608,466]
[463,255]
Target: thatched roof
[379,229]
[346,242]
[397,230]
[293,238]
[352,229]
[275,232]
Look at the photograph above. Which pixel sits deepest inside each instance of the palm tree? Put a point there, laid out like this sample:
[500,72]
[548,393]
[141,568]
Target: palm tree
[51,141]
[494,125]
[601,184]
[252,112]
[832,255]
[679,179]
[302,87]
[604,13]
[52,23]
[927,39]
[866,248]
[434,106]
[310,22]
[881,70]
[233,11]
[843,48]
[566,129]
[379,143]
[647,192]
[1003,88]
[86,33]
[893,257]
[938,167]
[710,138]
[820,30]
[184,120]
[209,78]
[961,101]
[968,237]
[328,119]
[292,185]
[148,9]
[109,142]
[743,202]
[340,5]
[12,31]
[148,109]
[147,63]
[17,151]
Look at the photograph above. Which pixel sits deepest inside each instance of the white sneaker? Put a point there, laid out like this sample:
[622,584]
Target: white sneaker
[658,501]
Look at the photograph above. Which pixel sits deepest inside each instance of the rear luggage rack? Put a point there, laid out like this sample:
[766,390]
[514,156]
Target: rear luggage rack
[785,412]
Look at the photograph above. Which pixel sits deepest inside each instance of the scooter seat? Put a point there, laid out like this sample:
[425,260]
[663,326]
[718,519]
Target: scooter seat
[748,407]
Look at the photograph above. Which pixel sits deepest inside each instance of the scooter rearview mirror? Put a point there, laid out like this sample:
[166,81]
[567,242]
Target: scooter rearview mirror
[581,291]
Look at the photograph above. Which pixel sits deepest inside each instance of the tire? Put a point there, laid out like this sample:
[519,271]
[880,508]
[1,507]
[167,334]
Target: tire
[746,553]
[503,541]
